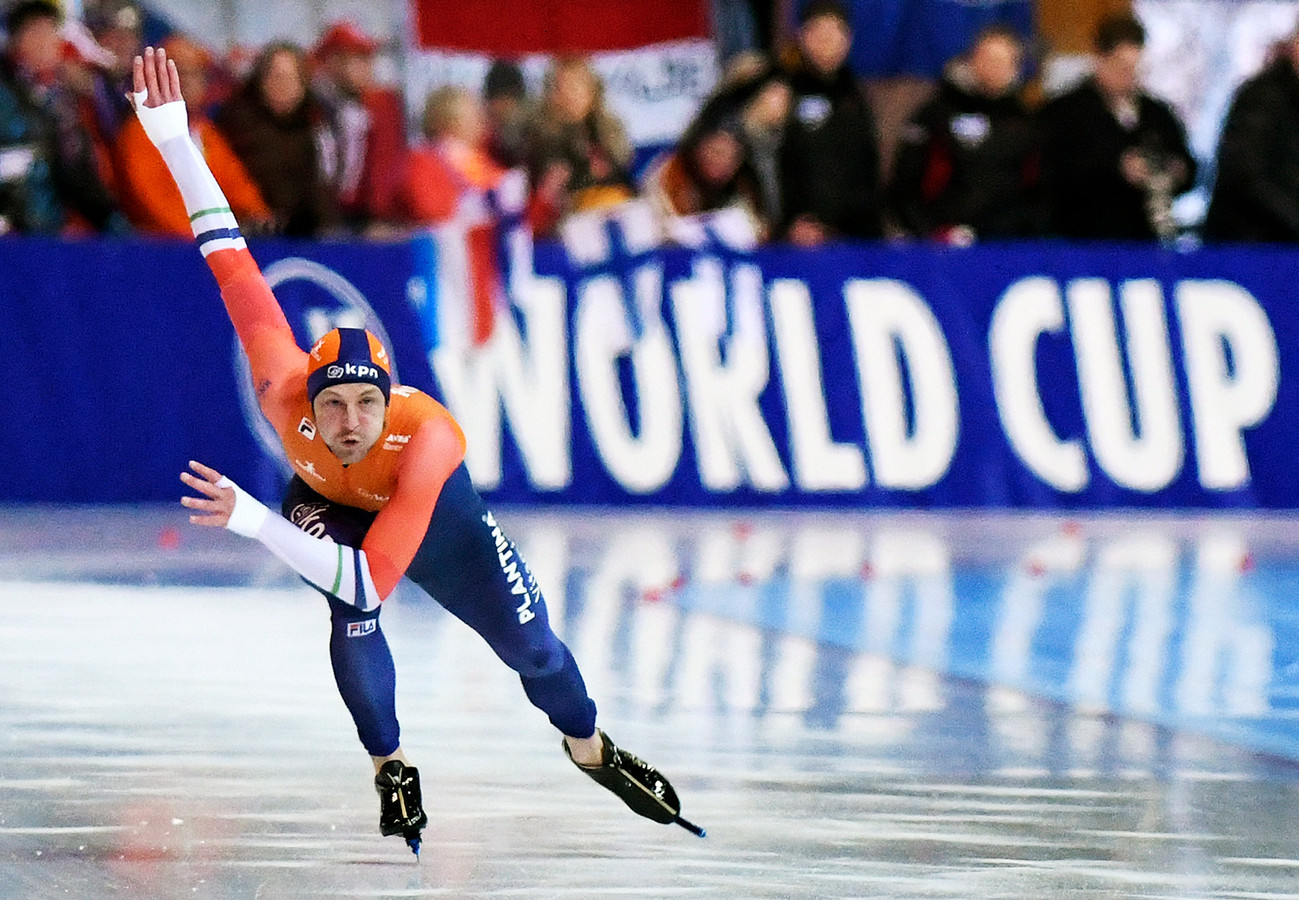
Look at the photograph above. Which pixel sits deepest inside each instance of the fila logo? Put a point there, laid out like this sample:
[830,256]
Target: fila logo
[362,628]
[307,429]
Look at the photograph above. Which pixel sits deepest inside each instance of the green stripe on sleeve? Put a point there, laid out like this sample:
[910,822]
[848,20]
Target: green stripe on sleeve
[208,212]
[338,575]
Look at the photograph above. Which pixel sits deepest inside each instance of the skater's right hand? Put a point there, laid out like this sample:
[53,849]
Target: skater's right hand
[218,502]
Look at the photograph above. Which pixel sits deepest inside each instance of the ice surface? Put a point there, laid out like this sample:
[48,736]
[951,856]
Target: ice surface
[853,706]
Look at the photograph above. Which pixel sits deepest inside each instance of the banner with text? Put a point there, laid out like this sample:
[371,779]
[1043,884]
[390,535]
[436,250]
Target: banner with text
[1025,376]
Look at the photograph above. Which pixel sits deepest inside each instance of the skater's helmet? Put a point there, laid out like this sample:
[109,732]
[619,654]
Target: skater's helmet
[348,356]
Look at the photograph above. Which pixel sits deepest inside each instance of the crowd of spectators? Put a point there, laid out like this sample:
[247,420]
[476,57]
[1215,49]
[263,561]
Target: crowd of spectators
[306,142]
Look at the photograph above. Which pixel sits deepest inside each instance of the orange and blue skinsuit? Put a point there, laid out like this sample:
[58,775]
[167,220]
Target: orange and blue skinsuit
[410,506]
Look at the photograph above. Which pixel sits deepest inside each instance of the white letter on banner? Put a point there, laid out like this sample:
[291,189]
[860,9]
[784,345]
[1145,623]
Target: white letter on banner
[819,463]
[645,463]
[731,438]
[530,379]
[892,326]
[1227,396]
[1145,454]
[1027,309]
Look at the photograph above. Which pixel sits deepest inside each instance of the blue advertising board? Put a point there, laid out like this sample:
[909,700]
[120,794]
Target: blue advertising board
[1035,375]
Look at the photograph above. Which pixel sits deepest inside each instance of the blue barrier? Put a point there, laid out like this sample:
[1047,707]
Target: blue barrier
[1036,375]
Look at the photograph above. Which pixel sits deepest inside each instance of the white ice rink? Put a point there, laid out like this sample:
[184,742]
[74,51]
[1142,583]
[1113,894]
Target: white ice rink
[170,727]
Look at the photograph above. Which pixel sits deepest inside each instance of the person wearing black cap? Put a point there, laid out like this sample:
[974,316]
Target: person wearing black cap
[379,471]
[830,163]
[505,98]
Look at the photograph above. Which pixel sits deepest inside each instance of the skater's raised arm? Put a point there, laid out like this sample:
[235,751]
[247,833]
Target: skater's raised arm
[256,314]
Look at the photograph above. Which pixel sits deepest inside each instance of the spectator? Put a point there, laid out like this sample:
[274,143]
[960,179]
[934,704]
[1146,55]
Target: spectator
[1114,157]
[149,194]
[969,161]
[270,122]
[708,171]
[506,97]
[118,27]
[49,180]
[1256,197]
[449,174]
[830,162]
[451,160]
[83,74]
[578,154]
[761,96]
[363,140]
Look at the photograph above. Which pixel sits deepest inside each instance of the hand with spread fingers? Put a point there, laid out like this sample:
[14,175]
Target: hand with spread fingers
[155,76]
[219,504]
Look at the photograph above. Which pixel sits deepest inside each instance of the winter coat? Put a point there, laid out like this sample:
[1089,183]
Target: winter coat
[1083,143]
[829,159]
[149,193]
[48,168]
[1256,197]
[967,159]
[282,157]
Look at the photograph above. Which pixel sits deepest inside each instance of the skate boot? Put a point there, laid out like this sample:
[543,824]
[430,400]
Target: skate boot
[400,810]
[638,784]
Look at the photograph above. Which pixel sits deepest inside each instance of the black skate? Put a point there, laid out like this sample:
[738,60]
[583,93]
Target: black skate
[400,810]
[638,784]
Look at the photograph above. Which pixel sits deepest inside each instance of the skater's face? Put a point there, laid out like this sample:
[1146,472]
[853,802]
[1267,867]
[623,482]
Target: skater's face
[351,419]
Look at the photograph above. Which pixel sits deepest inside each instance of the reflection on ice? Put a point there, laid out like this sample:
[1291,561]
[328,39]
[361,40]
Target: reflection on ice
[901,706]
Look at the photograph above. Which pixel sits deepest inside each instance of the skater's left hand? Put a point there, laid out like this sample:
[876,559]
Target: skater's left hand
[219,504]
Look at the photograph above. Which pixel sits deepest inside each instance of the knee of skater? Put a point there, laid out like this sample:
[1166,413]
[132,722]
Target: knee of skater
[538,664]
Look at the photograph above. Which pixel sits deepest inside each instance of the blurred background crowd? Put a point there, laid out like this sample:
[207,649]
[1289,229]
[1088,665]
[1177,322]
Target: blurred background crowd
[311,141]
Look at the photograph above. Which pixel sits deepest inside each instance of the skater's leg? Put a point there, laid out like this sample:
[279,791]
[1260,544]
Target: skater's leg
[469,566]
[364,671]
[358,651]
[366,678]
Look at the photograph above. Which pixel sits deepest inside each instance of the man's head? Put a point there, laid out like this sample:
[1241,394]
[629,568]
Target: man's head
[193,65]
[825,35]
[995,59]
[1119,42]
[118,25]
[35,42]
[349,382]
[346,54]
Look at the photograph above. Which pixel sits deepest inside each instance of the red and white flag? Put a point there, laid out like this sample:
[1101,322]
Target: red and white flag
[657,59]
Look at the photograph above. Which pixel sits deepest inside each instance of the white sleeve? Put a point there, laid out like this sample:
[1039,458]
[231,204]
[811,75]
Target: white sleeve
[342,572]
[210,217]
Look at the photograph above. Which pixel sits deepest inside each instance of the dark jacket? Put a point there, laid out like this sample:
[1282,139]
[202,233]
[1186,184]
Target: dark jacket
[829,158]
[1256,197]
[282,157]
[1083,143]
[968,159]
[49,168]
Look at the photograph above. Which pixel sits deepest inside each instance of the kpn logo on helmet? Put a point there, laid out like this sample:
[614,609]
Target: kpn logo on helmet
[352,370]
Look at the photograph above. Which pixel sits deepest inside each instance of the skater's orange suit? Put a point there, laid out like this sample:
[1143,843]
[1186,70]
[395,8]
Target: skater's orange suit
[400,478]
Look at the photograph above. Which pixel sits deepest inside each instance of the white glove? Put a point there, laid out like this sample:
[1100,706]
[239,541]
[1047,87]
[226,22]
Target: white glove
[162,123]
[249,512]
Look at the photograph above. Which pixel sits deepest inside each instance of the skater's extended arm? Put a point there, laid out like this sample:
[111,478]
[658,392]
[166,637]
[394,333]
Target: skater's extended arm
[359,576]
[260,323]
[344,572]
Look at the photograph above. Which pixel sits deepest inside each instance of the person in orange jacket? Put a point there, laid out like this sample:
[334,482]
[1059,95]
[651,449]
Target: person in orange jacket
[148,193]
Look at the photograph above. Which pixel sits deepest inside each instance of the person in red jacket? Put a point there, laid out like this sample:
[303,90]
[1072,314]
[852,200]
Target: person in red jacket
[380,491]
[363,137]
